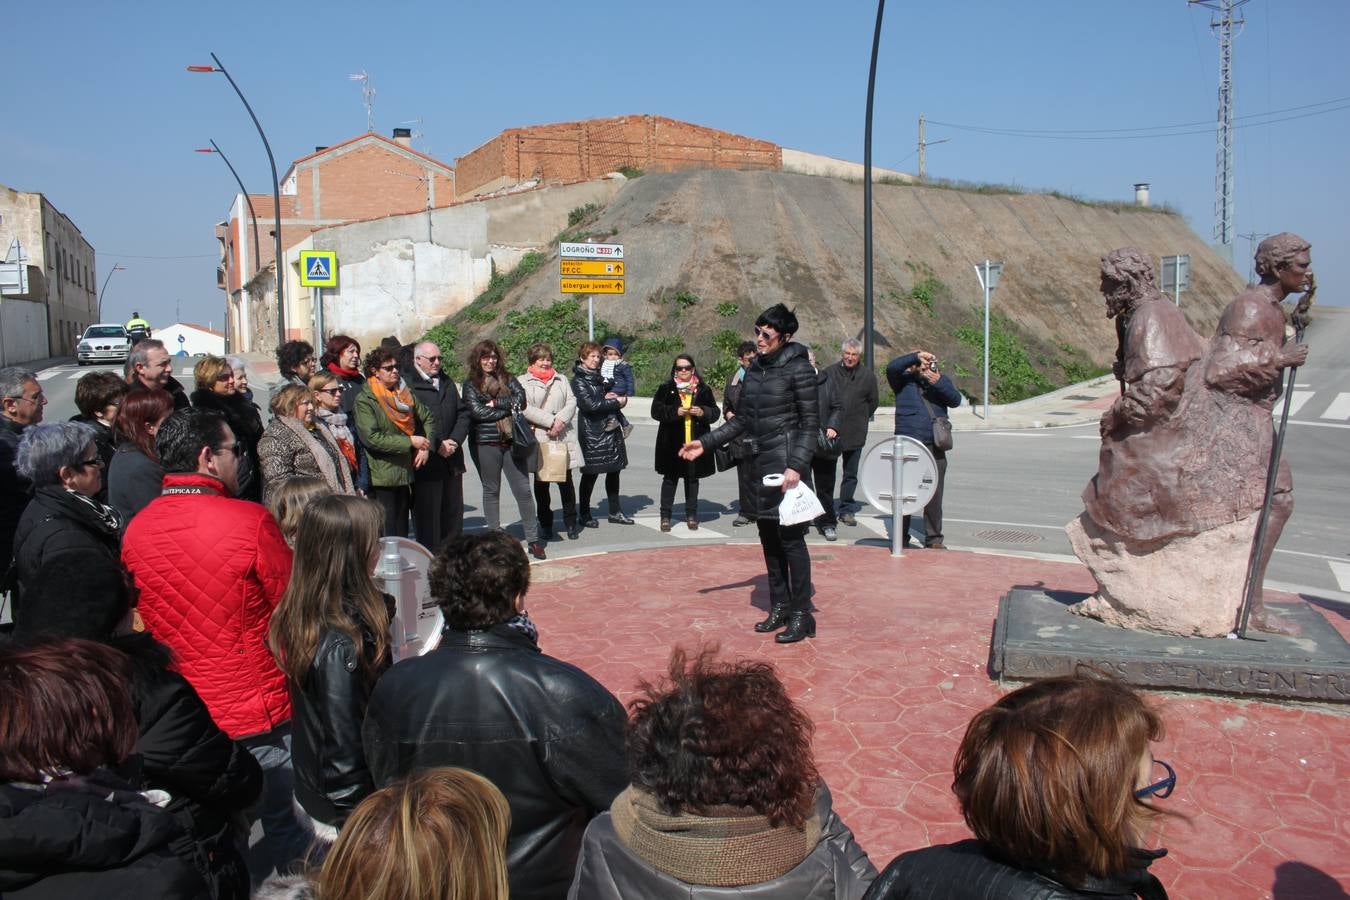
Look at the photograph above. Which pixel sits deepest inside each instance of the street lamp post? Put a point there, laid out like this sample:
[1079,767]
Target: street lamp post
[276,192]
[867,192]
[115,268]
[257,254]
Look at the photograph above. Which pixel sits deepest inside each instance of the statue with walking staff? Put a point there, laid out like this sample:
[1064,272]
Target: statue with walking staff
[1190,495]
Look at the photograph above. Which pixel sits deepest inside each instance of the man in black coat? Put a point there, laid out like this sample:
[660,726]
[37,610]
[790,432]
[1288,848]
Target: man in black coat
[548,735]
[149,366]
[922,392]
[21,405]
[438,487]
[856,387]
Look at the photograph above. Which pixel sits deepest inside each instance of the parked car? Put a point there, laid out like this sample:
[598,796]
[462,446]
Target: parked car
[103,343]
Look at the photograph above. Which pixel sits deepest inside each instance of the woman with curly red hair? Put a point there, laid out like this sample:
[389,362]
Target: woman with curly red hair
[725,796]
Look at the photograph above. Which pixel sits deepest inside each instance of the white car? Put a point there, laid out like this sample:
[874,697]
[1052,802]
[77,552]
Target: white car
[103,343]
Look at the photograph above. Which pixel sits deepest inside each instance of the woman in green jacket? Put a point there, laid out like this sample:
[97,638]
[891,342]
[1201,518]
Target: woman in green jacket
[393,427]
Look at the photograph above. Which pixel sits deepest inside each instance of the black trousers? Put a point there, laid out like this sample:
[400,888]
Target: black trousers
[543,502]
[788,562]
[932,513]
[668,483]
[438,510]
[394,502]
[822,472]
[848,485]
[611,491]
[745,484]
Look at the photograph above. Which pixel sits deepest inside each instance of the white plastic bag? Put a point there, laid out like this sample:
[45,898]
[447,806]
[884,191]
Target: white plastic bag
[799,505]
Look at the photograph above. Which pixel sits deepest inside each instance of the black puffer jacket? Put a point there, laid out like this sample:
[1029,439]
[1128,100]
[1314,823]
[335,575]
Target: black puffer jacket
[59,525]
[211,778]
[485,412]
[670,435]
[246,423]
[91,837]
[604,451]
[103,440]
[777,414]
[331,776]
[964,871]
[543,731]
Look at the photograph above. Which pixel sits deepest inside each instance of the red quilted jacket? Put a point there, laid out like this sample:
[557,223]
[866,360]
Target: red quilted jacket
[210,571]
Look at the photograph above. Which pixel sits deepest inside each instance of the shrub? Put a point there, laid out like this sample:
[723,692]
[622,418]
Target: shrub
[685,299]
[1011,375]
[630,171]
[581,213]
[727,309]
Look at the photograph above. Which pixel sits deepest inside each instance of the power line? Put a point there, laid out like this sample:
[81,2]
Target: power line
[132,256]
[1067,132]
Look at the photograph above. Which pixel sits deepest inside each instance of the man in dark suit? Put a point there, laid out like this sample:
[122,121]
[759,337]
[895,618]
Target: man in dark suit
[438,487]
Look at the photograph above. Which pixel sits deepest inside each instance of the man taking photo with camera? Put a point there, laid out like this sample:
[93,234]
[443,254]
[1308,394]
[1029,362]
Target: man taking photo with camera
[922,394]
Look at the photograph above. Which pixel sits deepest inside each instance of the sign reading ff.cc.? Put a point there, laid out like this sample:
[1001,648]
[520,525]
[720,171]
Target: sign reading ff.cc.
[318,268]
[590,268]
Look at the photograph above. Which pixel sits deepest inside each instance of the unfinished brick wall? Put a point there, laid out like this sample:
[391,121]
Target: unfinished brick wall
[576,151]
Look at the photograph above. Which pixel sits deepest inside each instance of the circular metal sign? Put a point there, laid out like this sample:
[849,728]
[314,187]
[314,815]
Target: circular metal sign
[402,571]
[918,474]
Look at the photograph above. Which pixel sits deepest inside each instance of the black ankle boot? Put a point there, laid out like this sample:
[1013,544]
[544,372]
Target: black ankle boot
[778,616]
[800,625]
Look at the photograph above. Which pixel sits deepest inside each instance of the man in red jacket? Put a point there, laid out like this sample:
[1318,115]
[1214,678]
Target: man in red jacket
[211,569]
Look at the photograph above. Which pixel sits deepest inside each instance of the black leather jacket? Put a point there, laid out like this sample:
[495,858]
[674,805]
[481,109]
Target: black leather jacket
[331,775]
[777,416]
[485,412]
[543,731]
[964,871]
[603,451]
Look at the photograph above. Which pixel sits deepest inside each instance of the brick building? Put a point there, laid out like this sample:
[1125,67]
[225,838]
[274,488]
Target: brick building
[579,151]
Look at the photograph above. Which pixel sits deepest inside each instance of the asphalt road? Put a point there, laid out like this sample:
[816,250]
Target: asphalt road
[1007,491]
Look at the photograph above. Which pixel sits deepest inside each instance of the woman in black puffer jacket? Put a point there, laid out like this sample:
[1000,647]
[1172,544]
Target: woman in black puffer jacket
[602,447]
[214,377]
[777,417]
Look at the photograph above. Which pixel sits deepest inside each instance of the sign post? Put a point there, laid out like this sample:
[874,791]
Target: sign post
[988,275]
[1176,276]
[318,270]
[590,269]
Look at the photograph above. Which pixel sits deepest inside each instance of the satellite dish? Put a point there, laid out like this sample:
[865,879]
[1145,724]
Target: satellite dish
[919,474]
[402,571]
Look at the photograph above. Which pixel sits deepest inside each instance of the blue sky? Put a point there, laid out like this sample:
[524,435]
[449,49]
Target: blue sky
[107,117]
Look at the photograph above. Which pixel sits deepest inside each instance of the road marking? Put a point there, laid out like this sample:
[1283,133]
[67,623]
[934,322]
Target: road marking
[1339,408]
[48,374]
[1004,524]
[1342,572]
[1319,424]
[1296,401]
[678,528]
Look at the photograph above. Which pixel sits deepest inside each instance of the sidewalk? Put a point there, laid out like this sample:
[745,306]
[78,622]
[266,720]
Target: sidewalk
[895,674]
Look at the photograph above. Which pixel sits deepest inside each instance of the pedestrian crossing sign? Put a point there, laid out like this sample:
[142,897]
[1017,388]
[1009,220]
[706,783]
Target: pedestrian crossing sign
[318,268]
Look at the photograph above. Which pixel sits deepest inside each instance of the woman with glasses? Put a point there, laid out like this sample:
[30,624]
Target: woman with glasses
[686,409]
[98,396]
[328,395]
[491,397]
[777,419]
[1057,782]
[295,446]
[217,389]
[395,428]
[64,520]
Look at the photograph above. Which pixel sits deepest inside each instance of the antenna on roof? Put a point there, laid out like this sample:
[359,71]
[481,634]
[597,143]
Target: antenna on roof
[417,132]
[367,97]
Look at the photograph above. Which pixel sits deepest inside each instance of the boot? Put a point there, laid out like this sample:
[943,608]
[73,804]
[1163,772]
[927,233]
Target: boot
[800,625]
[778,616]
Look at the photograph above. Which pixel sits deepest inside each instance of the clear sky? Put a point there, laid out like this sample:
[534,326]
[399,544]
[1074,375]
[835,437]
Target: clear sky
[102,117]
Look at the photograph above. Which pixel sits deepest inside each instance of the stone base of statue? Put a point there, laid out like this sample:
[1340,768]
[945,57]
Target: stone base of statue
[1189,585]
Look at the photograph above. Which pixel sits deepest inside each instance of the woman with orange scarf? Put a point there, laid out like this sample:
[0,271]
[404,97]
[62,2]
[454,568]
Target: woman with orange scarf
[686,409]
[393,427]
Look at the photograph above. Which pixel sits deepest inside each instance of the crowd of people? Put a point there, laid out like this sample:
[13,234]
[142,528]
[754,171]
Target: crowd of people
[198,641]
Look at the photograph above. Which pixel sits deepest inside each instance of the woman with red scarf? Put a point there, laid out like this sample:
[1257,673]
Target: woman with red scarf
[551,408]
[393,427]
[342,357]
[686,409]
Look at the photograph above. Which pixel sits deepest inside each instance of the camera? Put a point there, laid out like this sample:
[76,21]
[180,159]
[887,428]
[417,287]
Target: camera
[932,365]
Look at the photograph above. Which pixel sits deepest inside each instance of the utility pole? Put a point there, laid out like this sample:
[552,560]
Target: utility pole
[923,146]
[1222,26]
[1252,238]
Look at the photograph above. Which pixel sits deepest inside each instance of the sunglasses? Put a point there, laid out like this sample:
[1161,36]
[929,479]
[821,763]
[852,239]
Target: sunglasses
[1161,788]
[389,368]
[333,391]
[225,376]
[430,358]
[679,368]
[765,333]
[235,449]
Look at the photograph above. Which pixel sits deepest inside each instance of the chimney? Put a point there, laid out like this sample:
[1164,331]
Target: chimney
[1141,194]
[321,149]
[403,137]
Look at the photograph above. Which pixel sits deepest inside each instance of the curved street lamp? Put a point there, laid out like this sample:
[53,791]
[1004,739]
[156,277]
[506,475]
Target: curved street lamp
[257,254]
[116,268]
[867,193]
[276,193]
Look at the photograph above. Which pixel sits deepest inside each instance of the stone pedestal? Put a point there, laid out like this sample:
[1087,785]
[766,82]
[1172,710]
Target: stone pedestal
[1190,585]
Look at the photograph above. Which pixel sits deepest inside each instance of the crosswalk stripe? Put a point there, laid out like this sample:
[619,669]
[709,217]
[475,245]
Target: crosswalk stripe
[1342,572]
[48,374]
[1339,408]
[679,529]
[1296,402]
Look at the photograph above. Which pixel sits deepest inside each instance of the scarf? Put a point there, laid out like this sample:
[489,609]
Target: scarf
[736,848]
[339,478]
[544,374]
[336,423]
[341,372]
[398,405]
[109,519]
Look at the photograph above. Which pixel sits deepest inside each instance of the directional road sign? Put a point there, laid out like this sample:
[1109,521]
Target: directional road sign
[590,286]
[590,251]
[318,268]
[590,267]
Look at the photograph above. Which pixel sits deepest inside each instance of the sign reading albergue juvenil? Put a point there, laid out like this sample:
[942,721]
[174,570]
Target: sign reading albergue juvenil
[590,268]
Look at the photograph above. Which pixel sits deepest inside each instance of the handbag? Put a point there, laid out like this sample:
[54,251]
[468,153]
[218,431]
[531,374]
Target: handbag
[524,445]
[725,458]
[942,426]
[828,447]
[553,461]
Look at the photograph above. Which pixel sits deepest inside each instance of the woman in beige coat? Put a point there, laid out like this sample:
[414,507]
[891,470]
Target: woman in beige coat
[551,408]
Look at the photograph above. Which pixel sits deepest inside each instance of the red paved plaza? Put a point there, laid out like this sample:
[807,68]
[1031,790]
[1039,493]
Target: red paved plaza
[898,667]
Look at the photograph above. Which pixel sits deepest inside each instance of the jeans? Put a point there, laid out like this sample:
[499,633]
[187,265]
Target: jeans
[788,562]
[285,839]
[543,501]
[394,502]
[822,472]
[611,491]
[932,513]
[668,483]
[849,483]
[438,509]
[494,462]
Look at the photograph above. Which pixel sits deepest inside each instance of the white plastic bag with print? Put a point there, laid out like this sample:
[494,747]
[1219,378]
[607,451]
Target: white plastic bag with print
[799,505]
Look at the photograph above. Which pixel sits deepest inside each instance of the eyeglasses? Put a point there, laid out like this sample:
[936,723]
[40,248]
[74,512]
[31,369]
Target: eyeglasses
[333,391]
[389,368]
[680,368]
[234,448]
[39,397]
[430,358]
[1161,788]
[86,463]
[765,333]
[225,376]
